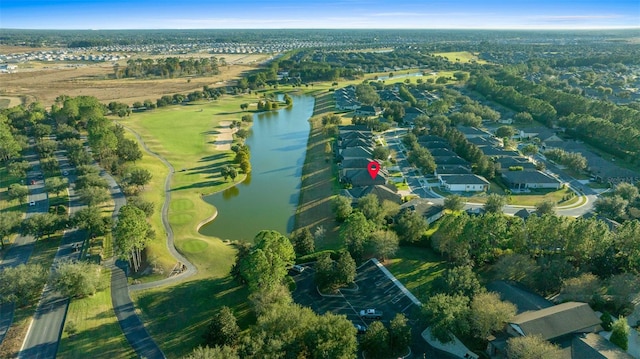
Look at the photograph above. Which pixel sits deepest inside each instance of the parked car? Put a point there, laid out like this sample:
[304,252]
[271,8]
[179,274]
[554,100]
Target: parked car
[361,328]
[297,268]
[370,314]
[32,203]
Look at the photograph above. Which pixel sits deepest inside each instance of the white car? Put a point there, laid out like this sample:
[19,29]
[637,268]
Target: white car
[370,314]
[32,203]
[297,268]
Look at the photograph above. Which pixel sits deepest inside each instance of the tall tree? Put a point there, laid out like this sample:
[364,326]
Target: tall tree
[375,342]
[454,203]
[354,233]
[384,244]
[489,314]
[223,329]
[411,226]
[447,314]
[266,265]
[22,284]
[399,335]
[9,223]
[494,203]
[342,207]
[76,279]
[531,347]
[303,242]
[130,235]
[369,205]
[139,177]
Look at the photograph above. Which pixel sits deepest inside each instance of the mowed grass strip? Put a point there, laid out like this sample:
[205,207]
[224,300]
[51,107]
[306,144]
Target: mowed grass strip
[98,333]
[314,205]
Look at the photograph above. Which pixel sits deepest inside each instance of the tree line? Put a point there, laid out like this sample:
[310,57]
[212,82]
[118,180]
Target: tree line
[168,67]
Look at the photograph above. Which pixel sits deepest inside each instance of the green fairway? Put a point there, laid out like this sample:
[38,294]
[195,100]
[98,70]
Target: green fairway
[194,245]
[98,333]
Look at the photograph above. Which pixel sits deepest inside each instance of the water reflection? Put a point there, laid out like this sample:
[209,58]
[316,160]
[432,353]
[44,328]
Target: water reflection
[229,193]
[268,198]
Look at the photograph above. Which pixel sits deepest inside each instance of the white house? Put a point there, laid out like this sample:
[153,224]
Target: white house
[464,183]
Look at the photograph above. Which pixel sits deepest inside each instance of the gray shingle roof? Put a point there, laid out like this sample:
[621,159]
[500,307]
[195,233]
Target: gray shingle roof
[556,321]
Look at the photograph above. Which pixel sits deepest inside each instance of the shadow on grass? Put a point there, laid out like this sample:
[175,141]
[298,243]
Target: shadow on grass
[181,313]
[103,341]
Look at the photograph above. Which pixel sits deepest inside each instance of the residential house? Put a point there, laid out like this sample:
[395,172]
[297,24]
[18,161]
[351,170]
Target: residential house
[442,152]
[472,132]
[369,111]
[542,133]
[410,114]
[451,170]
[524,213]
[430,211]
[464,183]
[355,152]
[450,160]
[519,180]
[594,346]
[492,151]
[384,192]
[354,142]
[559,324]
[510,162]
[361,177]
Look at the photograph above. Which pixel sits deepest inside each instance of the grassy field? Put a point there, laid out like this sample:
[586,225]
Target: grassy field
[461,56]
[418,269]
[98,332]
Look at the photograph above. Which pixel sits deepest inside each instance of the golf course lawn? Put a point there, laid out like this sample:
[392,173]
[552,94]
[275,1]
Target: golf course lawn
[176,315]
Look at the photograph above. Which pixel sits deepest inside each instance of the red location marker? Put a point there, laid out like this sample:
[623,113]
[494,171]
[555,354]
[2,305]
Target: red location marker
[373,167]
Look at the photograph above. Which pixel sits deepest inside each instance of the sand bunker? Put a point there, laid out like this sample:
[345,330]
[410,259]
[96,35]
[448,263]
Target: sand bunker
[224,138]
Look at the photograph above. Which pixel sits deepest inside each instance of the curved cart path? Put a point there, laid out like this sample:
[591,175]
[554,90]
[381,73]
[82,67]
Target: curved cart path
[130,323]
[190,268]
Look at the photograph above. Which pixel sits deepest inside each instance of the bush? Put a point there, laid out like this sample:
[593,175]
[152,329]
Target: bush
[313,257]
[607,321]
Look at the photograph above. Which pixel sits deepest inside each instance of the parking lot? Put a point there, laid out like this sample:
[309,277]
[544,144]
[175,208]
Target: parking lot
[373,289]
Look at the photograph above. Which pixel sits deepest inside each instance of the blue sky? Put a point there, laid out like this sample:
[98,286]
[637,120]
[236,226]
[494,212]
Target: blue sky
[258,14]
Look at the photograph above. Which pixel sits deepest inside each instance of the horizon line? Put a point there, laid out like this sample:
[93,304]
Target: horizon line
[343,28]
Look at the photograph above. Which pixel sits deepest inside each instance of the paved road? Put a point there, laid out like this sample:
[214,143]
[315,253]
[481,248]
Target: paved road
[45,329]
[21,249]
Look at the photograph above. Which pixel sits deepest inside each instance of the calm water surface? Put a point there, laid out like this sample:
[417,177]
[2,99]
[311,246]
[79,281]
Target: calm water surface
[268,198]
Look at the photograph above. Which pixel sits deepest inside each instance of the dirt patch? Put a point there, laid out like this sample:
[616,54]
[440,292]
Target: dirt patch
[224,137]
[6,102]
[45,83]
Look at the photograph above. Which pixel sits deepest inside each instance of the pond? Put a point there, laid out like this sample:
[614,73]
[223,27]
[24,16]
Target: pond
[268,198]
